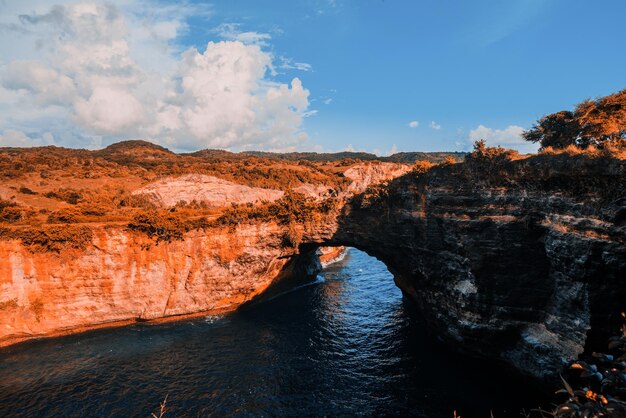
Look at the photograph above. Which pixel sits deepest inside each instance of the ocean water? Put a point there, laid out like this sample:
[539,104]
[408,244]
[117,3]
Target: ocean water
[345,345]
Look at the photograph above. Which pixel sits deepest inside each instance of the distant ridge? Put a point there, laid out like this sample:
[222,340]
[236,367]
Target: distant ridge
[137,149]
[400,157]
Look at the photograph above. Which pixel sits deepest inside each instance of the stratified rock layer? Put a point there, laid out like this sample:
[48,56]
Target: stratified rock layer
[521,261]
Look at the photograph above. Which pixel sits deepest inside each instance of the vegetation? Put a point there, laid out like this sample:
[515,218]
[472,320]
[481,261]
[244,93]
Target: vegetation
[400,157]
[37,307]
[600,389]
[160,225]
[292,237]
[50,238]
[592,123]
[292,207]
[487,165]
[70,196]
[11,212]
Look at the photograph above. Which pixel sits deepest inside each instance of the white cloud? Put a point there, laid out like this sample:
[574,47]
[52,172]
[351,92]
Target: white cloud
[109,110]
[509,137]
[393,150]
[434,125]
[231,32]
[89,71]
[13,138]
[414,124]
[289,64]
[327,101]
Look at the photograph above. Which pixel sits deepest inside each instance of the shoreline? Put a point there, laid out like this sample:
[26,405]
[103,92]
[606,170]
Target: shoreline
[18,340]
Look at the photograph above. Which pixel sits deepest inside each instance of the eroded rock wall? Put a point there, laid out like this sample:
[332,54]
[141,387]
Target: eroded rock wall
[125,276]
[522,261]
[528,267]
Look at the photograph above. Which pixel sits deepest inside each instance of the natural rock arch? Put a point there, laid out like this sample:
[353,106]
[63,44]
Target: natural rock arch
[518,260]
[530,275]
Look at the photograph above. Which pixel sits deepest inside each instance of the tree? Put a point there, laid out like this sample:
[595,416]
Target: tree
[557,130]
[603,119]
[593,122]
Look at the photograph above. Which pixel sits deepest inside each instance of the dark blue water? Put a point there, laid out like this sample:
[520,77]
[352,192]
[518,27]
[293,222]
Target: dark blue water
[345,345]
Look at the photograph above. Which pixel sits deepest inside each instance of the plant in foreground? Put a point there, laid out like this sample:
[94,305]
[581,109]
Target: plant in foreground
[602,384]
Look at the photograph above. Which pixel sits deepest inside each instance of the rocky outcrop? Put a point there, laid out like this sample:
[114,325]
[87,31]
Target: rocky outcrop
[331,255]
[366,174]
[521,261]
[202,188]
[525,263]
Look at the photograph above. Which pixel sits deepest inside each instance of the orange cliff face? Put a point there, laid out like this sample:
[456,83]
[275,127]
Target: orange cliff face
[124,277]
[85,256]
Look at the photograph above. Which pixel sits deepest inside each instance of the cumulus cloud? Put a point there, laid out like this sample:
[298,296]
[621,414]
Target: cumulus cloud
[434,125]
[509,137]
[104,70]
[414,124]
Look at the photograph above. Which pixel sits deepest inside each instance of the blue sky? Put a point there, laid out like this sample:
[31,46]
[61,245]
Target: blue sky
[366,69]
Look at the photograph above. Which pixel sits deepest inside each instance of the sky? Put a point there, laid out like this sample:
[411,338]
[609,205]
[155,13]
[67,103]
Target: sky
[380,76]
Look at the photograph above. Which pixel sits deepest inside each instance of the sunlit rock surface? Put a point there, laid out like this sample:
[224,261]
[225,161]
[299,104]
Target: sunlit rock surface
[523,263]
[202,188]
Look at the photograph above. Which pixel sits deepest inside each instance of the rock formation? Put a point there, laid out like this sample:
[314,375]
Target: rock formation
[523,261]
[202,188]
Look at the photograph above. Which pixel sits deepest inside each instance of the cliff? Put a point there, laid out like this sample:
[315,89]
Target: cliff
[520,260]
[523,260]
[125,276]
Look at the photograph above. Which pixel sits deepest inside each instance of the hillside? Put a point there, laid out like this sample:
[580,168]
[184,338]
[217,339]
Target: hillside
[46,186]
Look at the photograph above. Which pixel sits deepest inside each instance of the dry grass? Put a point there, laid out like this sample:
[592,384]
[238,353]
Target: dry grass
[51,185]
[612,149]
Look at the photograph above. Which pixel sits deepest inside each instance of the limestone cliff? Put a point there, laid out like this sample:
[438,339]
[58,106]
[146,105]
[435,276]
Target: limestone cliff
[523,260]
[125,276]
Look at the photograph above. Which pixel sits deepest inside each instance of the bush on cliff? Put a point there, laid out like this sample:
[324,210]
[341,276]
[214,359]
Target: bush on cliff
[70,196]
[292,237]
[159,225]
[487,164]
[292,207]
[51,239]
[64,216]
[11,212]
